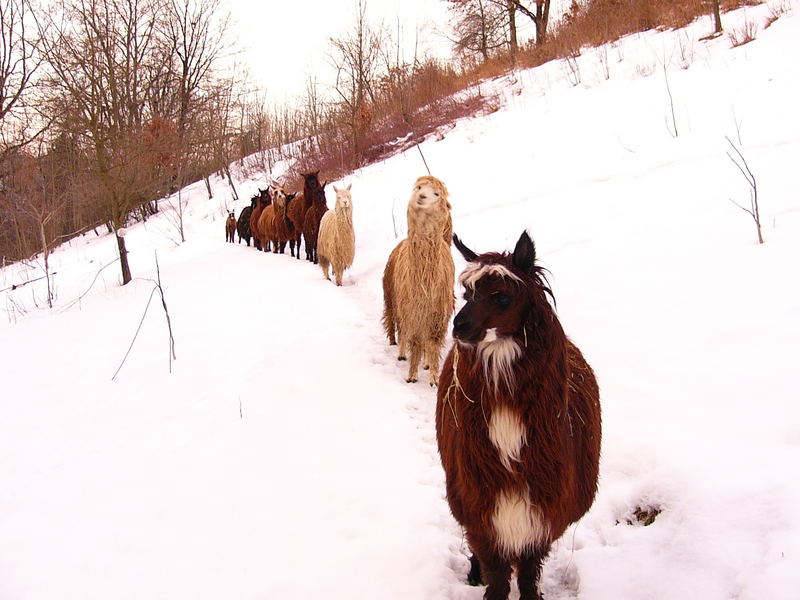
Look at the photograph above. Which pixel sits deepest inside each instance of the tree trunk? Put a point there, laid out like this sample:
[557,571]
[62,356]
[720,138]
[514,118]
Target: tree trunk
[512,28]
[717,16]
[543,16]
[230,182]
[208,187]
[46,256]
[123,259]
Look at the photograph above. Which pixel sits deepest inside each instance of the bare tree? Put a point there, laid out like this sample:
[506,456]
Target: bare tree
[512,28]
[356,58]
[102,53]
[195,31]
[540,15]
[479,25]
[20,60]
[717,16]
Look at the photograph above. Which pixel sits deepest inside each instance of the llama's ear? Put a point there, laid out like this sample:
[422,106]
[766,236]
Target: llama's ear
[335,189]
[524,254]
[468,254]
[349,185]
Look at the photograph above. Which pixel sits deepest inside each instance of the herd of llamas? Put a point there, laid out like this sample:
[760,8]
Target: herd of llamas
[518,421]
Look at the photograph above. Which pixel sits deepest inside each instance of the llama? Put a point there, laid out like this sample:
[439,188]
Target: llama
[264,200]
[297,209]
[312,220]
[336,244]
[273,223]
[230,227]
[418,280]
[517,421]
[243,224]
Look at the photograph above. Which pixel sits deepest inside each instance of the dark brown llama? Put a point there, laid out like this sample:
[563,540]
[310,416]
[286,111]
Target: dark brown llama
[230,227]
[311,222]
[298,207]
[264,200]
[243,225]
[517,420]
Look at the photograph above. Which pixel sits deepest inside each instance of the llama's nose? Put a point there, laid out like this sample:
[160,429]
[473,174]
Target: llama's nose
[461,325]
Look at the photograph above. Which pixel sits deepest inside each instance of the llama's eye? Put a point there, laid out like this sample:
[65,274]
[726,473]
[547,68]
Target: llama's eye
[501,300]
[436,194]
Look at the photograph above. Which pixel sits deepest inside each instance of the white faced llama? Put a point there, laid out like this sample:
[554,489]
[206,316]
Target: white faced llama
[336,244]
[517,421]
[418,280]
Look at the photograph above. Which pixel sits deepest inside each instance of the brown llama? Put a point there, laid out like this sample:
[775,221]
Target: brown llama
[274,223]
[517,421]
[264,200]
[312,220]
[418,280]
[230,228]
[298,207]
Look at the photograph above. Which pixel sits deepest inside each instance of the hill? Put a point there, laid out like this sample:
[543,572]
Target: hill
[285,456]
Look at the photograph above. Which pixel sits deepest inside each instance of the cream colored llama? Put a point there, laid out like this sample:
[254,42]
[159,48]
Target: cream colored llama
[418,280]
[336,244]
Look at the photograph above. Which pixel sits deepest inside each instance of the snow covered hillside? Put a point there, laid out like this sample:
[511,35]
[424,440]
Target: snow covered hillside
[285,456]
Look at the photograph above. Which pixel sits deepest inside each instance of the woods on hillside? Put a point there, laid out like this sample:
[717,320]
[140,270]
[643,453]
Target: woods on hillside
[107,108]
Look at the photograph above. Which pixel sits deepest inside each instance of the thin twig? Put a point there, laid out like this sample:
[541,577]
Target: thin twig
[156,288]
[744,169]
[169,322]
[423,159]
[96,275]
[136,334]
[24,283]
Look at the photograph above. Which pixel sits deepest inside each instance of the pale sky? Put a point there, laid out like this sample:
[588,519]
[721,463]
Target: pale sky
[285,41]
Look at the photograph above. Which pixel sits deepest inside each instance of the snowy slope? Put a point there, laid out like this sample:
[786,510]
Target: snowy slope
[285,456]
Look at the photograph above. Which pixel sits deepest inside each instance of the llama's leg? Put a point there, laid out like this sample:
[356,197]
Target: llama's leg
[323,262]
[528,572]
[494,569]
[432,357]
[413,365]
[402,347]
[337,271]
[291,247]
[474,577]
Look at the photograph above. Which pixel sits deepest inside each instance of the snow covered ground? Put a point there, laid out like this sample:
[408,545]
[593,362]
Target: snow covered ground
[286,457]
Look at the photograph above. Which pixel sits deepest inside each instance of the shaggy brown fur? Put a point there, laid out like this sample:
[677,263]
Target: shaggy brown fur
[336,245]
[298,207]
[418,280]
[230,227]
[264,200]
[517,421]
[273,223]
[311,221]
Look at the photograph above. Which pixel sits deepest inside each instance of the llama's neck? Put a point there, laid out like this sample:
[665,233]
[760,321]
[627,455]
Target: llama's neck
[424,224]
[344,217]
[308,197]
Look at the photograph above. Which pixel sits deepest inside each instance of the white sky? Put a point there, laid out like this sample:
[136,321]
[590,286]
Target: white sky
[285,42]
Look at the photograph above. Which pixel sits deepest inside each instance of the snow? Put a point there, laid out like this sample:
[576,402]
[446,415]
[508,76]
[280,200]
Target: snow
[285,456]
